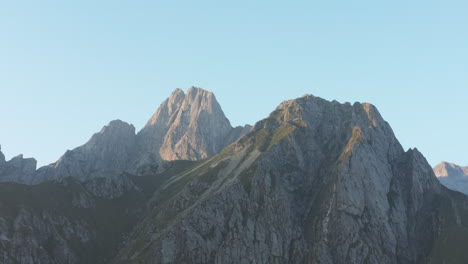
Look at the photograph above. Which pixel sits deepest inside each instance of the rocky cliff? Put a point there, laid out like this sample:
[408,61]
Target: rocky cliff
[109,151]
[188,126]
[315,182]
[452,176]
[17,169]
[71,221]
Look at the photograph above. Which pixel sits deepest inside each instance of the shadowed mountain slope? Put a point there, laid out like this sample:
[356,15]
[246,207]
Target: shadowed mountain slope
[315,182]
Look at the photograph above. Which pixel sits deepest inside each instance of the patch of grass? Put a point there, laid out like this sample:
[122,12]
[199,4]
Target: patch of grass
[246,177]
[265,139]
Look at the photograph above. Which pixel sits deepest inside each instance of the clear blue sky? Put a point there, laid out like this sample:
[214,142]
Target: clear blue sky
[69,67]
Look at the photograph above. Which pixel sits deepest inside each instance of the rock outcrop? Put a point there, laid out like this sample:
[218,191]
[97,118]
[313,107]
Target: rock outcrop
[452,176]
[110,151]
[315,182]
[188,126]
[17,169]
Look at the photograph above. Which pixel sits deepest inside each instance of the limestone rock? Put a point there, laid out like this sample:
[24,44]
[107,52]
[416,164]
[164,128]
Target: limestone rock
[188,126]
[107,152]
[452,176]
[18,169]
[315,182]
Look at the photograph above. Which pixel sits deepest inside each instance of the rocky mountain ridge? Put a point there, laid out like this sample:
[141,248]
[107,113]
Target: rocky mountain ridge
[346,190]
[193,127]
[452,176]
[16,169]
[188,126]
[314,182]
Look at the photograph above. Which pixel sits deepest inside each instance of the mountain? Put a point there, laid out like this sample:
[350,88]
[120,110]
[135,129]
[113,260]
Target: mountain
[16,169]
[188,126]
[452,176]
[109,151]
[314,182]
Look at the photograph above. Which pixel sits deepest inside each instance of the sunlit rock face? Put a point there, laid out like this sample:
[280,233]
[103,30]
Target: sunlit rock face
[452,176]
[314,182]
[189,126]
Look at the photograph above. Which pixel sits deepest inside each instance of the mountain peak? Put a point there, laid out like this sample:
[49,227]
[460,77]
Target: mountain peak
[177,91]
[333,169]
[188,126]
[312,109]
[167,108]
[117,125]
[195,89]
[110,150]
[452,176]
[451,170]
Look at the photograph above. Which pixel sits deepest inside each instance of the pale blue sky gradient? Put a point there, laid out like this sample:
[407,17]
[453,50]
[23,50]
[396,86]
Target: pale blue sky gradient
[69,67]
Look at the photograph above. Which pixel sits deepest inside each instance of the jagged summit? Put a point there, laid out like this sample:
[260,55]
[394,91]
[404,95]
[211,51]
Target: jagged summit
[197,97]
[186,126]
[115,124]
[453,176]
[448,169]
[314,182]
[193,126]
[167,108]
[17,168]
[111,149]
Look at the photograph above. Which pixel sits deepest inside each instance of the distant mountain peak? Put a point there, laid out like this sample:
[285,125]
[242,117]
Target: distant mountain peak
[315,108]
[314,182]
[316,172]
[167,108]
[453,176]
[118,123]
[188,126]
[451,170]
[110,150]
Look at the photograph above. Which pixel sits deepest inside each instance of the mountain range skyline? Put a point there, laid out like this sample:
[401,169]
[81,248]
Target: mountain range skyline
[233,132]
[187,125]
[69,68]
[8,151]
[316,181]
